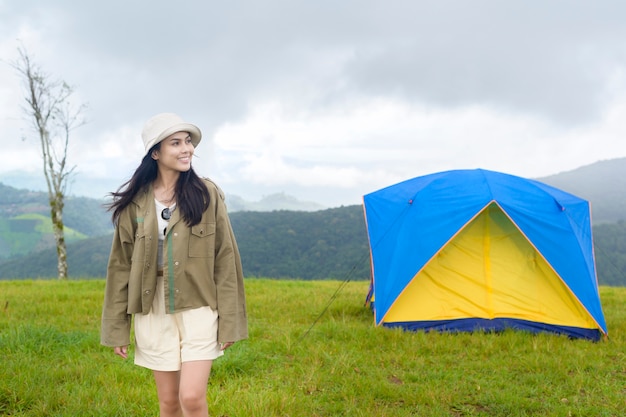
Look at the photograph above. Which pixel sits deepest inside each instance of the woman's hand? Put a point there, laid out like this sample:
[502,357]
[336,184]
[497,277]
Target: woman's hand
[224,346]
[121,351]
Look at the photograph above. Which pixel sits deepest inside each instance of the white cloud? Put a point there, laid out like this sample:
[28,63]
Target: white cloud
[116,152]
[382,94]
[373,143]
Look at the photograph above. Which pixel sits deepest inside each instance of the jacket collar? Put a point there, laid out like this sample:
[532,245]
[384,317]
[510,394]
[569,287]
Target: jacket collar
[144,200]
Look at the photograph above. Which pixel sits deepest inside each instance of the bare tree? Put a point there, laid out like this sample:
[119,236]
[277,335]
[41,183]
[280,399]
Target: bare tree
[53,117]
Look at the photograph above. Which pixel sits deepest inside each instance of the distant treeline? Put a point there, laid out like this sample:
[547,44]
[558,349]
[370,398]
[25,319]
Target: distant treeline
[326,244]
[317,245]
[284,244]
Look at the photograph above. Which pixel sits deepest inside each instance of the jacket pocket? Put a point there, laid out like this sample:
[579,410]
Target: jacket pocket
[202,240]
[140,243]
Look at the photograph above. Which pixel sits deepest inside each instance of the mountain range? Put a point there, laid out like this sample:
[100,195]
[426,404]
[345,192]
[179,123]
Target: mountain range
[602,183]
[279,236]
[30,182]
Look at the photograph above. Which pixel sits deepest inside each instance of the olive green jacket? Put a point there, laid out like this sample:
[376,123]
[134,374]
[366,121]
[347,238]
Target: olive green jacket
[202,267]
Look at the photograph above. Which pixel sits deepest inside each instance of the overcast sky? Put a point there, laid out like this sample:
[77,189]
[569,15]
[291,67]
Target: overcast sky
[327,100]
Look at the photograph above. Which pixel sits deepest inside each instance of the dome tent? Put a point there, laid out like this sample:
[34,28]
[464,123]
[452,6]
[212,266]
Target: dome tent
[469,250]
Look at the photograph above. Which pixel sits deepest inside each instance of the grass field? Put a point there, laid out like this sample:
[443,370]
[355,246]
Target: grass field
[53,365]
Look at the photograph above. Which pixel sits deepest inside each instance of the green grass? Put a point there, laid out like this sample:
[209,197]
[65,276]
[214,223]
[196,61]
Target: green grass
[53,365]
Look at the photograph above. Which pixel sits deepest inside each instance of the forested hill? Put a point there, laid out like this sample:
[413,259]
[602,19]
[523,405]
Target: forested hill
[85,215]
[298,245]
[323,244]
[330,243]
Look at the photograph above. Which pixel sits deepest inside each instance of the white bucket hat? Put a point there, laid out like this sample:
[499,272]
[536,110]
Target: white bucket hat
[162,125]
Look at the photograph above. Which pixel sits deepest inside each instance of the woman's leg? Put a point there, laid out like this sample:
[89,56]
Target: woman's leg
[168,384]
[194,378]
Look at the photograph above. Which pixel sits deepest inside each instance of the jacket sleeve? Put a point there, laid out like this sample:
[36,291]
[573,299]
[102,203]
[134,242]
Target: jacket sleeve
[228,275]
[115,328]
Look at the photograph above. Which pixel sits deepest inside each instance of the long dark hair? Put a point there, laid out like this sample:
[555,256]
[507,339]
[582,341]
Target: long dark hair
[192,196]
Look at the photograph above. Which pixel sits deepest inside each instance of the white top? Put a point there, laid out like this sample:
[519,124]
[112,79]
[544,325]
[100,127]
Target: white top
[162,227]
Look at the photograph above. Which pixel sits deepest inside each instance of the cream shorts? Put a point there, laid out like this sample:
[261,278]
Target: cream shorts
[164,341]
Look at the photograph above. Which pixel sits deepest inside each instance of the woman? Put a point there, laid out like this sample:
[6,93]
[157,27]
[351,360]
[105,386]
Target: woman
[175,267]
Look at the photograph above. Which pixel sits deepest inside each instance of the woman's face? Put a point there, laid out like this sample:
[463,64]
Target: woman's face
[175,152]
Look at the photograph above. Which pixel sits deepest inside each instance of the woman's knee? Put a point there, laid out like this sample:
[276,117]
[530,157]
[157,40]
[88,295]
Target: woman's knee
[192,399]
[169,406]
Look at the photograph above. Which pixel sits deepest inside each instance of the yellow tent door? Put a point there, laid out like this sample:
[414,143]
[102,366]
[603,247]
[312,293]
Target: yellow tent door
[489,270]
